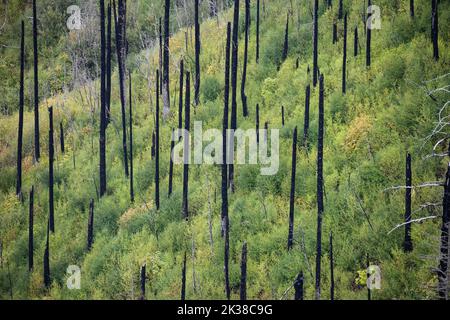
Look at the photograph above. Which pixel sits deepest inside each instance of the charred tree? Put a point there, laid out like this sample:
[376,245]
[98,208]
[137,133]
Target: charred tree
[161,46]
[187,124]
[61,137]
[344,60]
[30,231]
[180,101]
[243,288]
[368,34]
[443,258]
[282,116]
[90,230]
[340,10]
[131,140]
[298,286]
[234,64]
[108,65]
[257,29]
[51,158]
[320,207]
[21,104]
[435,28]
[355,43]
[197,53]
[183,279]
[244,72]
[172,145]
[292,194]
[286,39]
[306,121]
[411,8]
[47,279]
[166,89]
[102,142]
[153,151]
[334,33]
[157,143]
[315,41]
[331,268]
[37,152]
[143,278]
[257,124]
[407,244]
[227,258]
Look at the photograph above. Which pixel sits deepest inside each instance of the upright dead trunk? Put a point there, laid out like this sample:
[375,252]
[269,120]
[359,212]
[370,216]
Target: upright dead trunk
[368,35]
[90,231]
[411,8]
[331,268]
[435,28]
[282,116]
[244,72]
[183,279]
[344,60]
[161,46]
[292,194]
[334,33]
[102,141]
[108,65]
[166,88]
[21,103]
[180,101]
[286,39]
[243,288]
[227,258]
[51,157]
[131,142]
[340,10]
[197,54]
[298,286]
[153,152]
[121,55]
[355,43]
[257,124]
[306,121]
[61,137]
[187,124]
[257,29]
[443,258]
[157,143]
[329,4]
[407,244]
[213,8]
[224,211]
[320,208]
[30,231]
[172,145]
[315,41]
[143,278]
[47,280]
[37,152]
[234,64]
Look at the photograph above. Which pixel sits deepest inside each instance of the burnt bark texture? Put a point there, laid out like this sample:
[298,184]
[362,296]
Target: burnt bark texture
[340,10]
[306,120]
[244,72]
[51,158]
[286,39]
[197,53]
[243,287]
[334,33]
[90,230]
[61,137]
[47,279]
[143,278]
[292,194]
[102,141]
[368,36]
[257,124]
[435,28]
[407,243]
[157,144]
[21,105]
[166,88]
[183,279]
[331,268]
[355,43]
[444,252]
[187,124]
[180,102]
[411,8]
[131,138]
[108,65]
[344,59]
[37,149]
[172,145]
[258,16]
[315,41]
[298,286]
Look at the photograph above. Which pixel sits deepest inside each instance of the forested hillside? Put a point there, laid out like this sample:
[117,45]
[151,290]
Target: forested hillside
[364,144]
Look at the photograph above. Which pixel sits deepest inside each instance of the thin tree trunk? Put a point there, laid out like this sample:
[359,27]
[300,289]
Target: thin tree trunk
[197,54]
[187,152]
[180,102]
[161,46]
[355,43]
[435,28]
[21,105]
[298,286]
[257,124]
[315,41]
[368,36]
[334,33]
[166,88]
[244,72]
[227,257]
[320,208]
[243,288]
[292,194]
[344,62]
[51,156]
[30,231]
[257,29]
[143,278]
[331,268]
[411,8]
[90,233]
[102,142]
[306,121]
[282,116]
[286,39]
[444,251]
[407,244]
[183,279]
[61,137]
[131,142]
[47,279]
[157,144]
[340,10]
[172,145]
[37,152]
[108,66]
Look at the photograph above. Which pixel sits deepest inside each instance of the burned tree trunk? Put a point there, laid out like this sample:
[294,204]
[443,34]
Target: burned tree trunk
[244,72]
[306,122]
[153,145]
[292,194]
[161,46]
[172,145]
[286,39]
[108,66]
[334,33]
[131,142]
[121,55]
[320,208]
[298,286]
[143,278]
[213,8]
[30,231]
[180,102]
[102,142]
[315,41]
[331,268]
[407,244]
[183,279]
[234,64]
[47,279]
[355,43]
[411,8]
[227,257]
[61,137]
[51,157]
[443,259]
[282,116]
[340,10]
[197,54]
[157,143]
[37,152]
[166,89]
[344,61]
[224,211]
[243,288]
[435,28]
[368,35]
[187,124]
[257,29]
[257,124]
[90,230]
[21,104]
